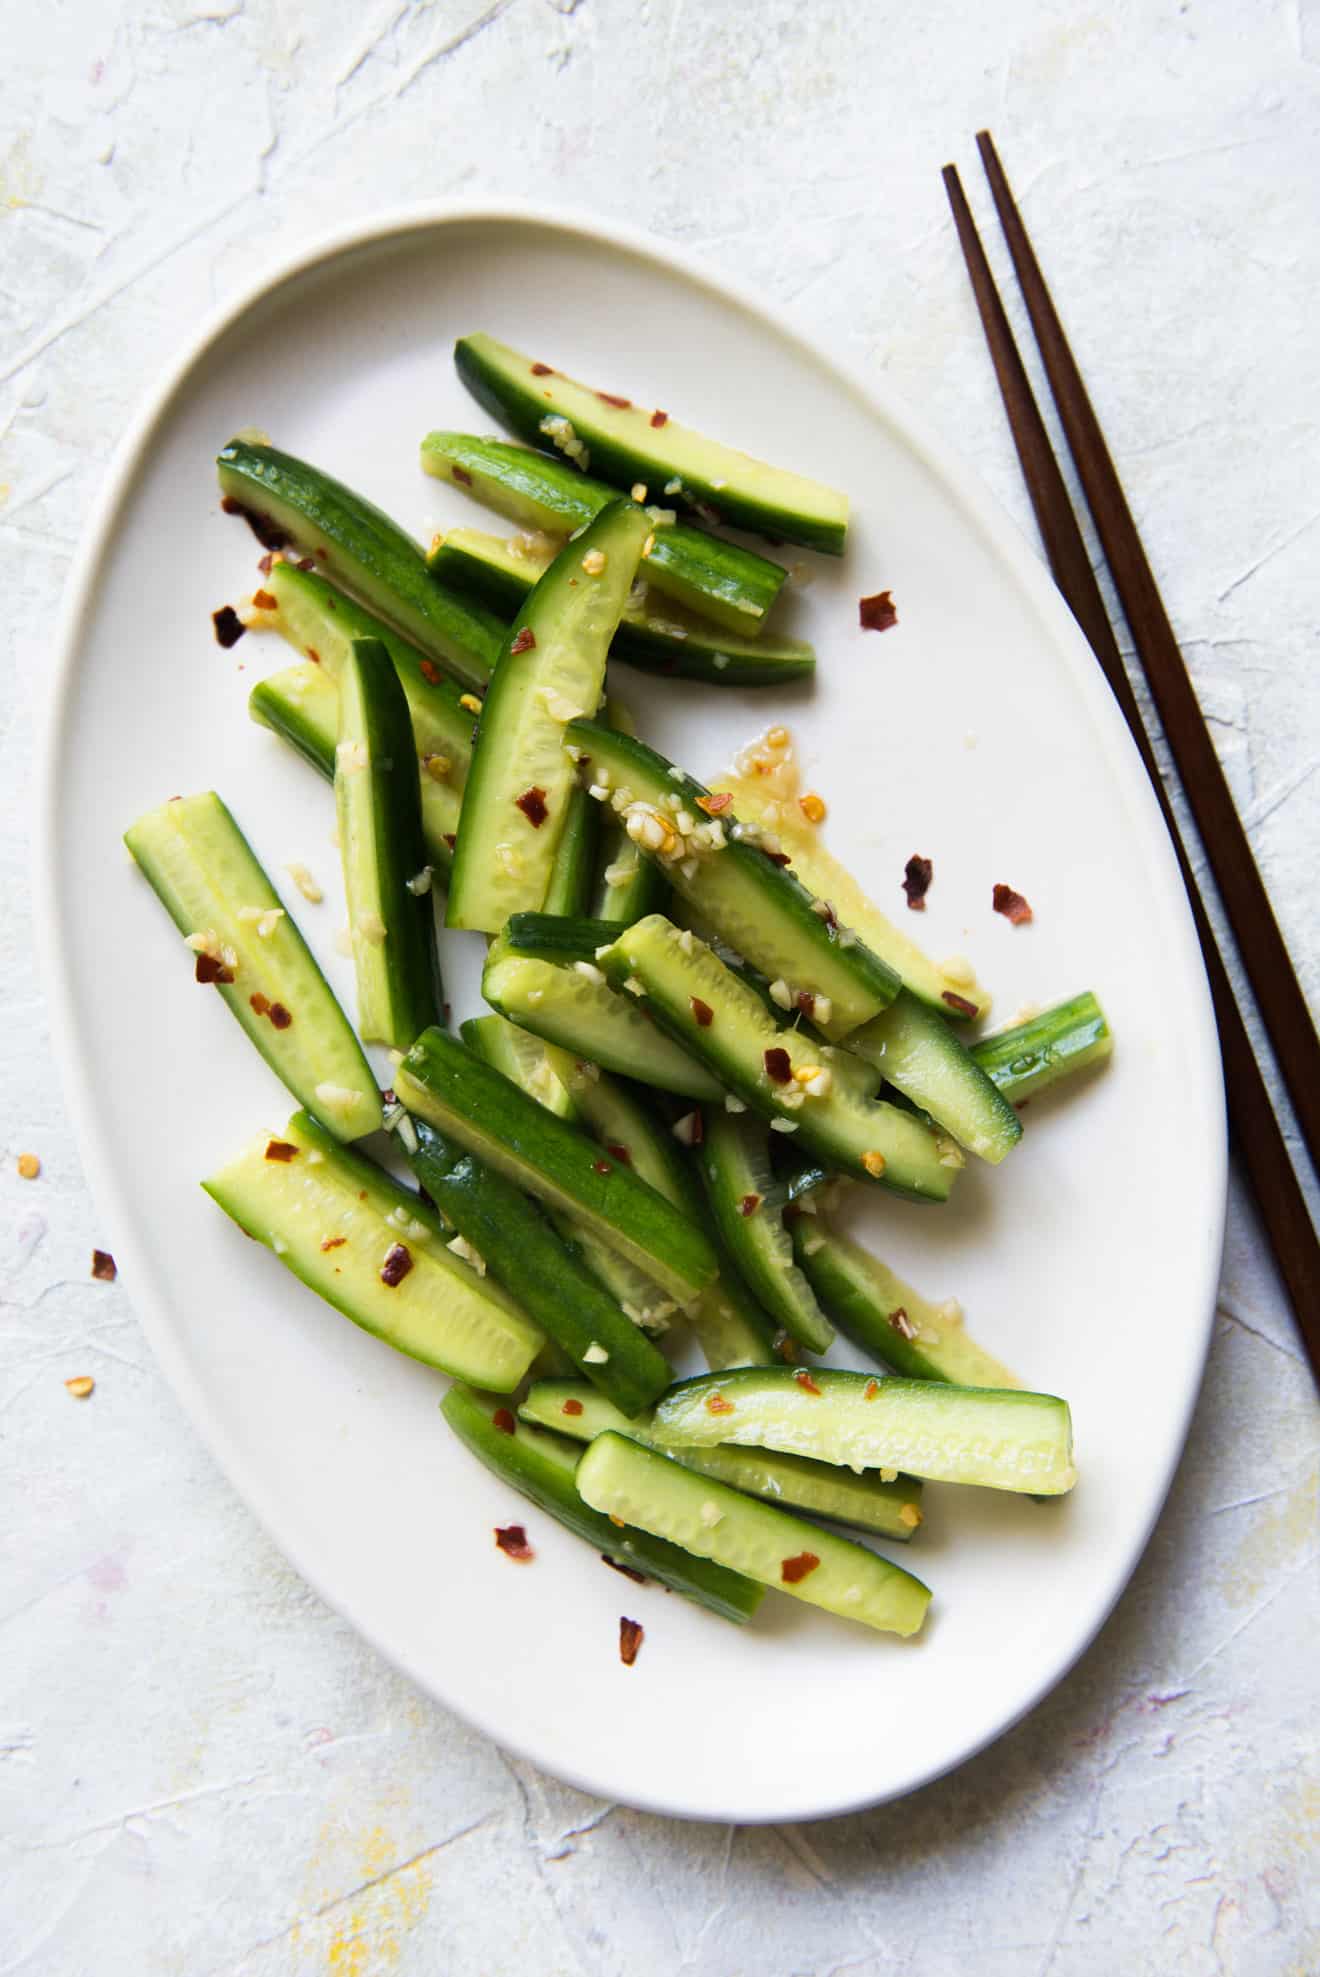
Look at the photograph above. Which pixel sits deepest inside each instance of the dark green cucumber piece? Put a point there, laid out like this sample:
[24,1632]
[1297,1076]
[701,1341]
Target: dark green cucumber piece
[915,1051]
[890,1510]
[821,1094]
[386,877]
[731,586]
[572,1005]
[627,885]
[208,879]
[301,706]
[1002,1440]
[376,1253]
[622,1478]
[288,501]
[654,637]
[1032,1055]
[754,905]
[472,1103]
[557,936]
[522,1251]
[735,1166]
[542,1468]
[574,869]
[629,443]
[886,1317]
[551,666]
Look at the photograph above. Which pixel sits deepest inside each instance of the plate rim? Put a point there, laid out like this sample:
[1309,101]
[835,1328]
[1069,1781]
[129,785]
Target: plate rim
[982,509]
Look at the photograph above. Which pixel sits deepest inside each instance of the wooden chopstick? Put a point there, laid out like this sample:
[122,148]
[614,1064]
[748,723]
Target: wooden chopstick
[1255,1128]
[1265,957]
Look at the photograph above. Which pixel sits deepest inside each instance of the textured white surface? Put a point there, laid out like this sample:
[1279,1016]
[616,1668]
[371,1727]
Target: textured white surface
[201,1770]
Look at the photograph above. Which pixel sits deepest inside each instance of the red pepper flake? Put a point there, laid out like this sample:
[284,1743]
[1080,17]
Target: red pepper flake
[229,627]
[749,1204]
[264,601]
[784,1346]
[309,563]
[793,1570]
[805,1381]
[659,418]
[281,1150]
[778,1066]
[902,1324]
[333,1242]
[449,839]
[877,614]
[806,1003]
[717,1404]
[870,1390]
[429,671]
[778,857]
[917,875]
[618,1152]
[631,1635]
[313,655]
[616,1565]
[958,1002]
[280,1016]
[512,1541]
[715,804]
[104,1266]
[601,1167]
[504,1421]
[1012,905]
[533,806]
[462,475]
[524,642]
[608,398]
[702,1013]
[396,1265]
[571,1407]
[209,968]
[542,371]
[266,563]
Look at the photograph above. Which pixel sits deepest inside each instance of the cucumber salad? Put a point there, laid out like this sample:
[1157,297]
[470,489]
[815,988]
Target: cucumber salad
[700,1030]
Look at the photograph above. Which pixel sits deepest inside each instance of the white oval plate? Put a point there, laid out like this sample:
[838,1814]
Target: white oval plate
[978,732]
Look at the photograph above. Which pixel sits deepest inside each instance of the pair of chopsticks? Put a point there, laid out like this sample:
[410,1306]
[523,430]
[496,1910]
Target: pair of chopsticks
[1279,999]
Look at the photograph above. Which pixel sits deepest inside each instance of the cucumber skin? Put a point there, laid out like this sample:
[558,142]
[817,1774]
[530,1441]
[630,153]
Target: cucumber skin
[502,1371]
[624,1478]
[859,983]
[451,1088]
[362,548]
[1033,1055]
[493,385]
[575,860]
[268,1040]
[399,987]
[539,1272]
[918,1053]
[722,1157]
[521,1460]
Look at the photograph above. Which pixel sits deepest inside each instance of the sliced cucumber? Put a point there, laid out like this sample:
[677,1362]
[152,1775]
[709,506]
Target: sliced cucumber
[557,936]
[770,802]
[815,1091]
[551,665]
[622,1478]
[211,884]
[573,873]
[301,705]
[1032,1055]
[627,885]
[735,1166]
[891,1510]
[523,1252]
[756,906]
[1002,1440]
[375,1252]
[386,877]
[630,443]
[288,501]
[484,1112]
[542,1468]
[580,1012]
[915,1051]
[521,1057]
[887,1317]
[730,586]
[655,638]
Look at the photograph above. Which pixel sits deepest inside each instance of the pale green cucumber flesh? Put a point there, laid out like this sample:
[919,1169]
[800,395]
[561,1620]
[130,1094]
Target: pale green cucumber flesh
[1005,1440]
[515,804]
[209,881]
[542,1469]
[1034,1054]
[391,916]
[890,1510]
[630,443]
[916,1051]
[622,1478]
[735,1166]
[337,1222]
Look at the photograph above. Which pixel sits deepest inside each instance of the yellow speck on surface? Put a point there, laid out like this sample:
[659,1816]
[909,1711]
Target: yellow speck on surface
[909,1515]
[812,807]
[1283,1527]
[82,1387]
[29,1166]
